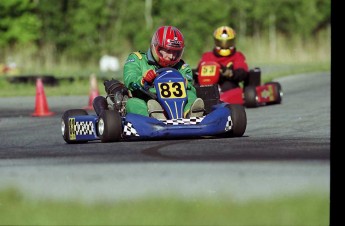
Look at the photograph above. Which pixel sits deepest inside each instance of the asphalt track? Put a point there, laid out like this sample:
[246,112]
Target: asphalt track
[285,150]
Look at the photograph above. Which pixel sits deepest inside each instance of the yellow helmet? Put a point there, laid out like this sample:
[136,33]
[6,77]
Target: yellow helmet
[224,39]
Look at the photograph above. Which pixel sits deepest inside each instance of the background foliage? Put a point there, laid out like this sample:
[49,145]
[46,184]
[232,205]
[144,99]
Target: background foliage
[65,31]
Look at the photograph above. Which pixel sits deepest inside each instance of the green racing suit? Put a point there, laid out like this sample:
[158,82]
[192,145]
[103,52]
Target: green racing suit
[136,65]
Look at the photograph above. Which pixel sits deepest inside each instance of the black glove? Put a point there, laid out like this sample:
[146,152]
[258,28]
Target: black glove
[226,71]
[113,86]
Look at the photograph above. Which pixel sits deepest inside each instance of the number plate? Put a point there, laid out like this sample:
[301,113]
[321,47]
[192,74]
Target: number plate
[208,70]
[172,89]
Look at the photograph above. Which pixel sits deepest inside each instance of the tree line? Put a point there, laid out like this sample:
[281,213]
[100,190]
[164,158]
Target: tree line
[87,29]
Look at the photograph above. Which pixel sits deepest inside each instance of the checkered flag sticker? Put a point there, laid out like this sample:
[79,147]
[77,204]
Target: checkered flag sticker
[84,128]
[129,130]
[228,125]
[184,121]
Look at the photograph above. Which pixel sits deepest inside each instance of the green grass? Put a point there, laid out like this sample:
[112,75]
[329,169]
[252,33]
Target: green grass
[284,56]
[310,208]
[81,84]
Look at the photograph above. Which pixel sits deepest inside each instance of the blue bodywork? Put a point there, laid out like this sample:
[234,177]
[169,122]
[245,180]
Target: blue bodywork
[217,122]
[172,95]
[171,92]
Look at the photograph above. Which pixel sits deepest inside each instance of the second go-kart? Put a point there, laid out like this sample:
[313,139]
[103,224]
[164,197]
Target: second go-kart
[113,123]
[252,94]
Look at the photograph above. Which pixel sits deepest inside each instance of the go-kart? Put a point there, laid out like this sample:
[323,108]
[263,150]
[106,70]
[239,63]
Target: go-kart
[252,94]
[113,123]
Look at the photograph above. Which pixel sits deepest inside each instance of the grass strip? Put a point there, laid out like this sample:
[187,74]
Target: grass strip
[310,208]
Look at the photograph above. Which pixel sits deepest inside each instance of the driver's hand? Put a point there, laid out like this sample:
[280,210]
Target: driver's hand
[148,76]
[227,71]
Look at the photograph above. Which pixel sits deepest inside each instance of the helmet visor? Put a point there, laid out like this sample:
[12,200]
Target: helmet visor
[170,54]
[224,43]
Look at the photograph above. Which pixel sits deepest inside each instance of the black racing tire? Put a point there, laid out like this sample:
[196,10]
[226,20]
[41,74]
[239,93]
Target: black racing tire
[65,129]
[238,119]
[109,126]
[250,97]
[278,91]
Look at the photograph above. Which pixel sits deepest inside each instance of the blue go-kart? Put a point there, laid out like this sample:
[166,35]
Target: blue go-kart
[113,123]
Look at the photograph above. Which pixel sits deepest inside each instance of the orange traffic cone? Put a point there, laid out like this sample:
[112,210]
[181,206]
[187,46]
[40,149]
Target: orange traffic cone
[41,105]
[93,91]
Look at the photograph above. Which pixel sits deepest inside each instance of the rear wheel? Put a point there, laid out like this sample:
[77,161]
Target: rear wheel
[278,93]
[250,97]
[109,126]
[66,128]
[238,119]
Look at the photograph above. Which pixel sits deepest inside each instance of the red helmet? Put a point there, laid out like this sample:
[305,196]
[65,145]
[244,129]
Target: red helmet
[169,39]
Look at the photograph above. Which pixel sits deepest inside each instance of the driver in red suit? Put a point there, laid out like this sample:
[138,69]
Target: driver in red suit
[234,68]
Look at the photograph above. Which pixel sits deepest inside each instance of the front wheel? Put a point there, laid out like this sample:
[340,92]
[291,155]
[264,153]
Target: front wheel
[239,120]
[109,126]
[67,131]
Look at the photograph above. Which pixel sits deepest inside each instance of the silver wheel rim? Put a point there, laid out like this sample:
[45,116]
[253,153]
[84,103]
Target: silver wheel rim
[101,127]
[63,127]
